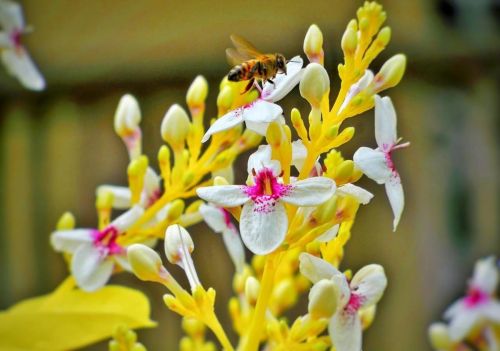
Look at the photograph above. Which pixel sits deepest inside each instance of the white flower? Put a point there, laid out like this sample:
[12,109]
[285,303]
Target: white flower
[479,305]
[363,291]
[95,252]
[258,114]
[377,163]
[356,88]
[263,221]
[219,220]
[14,55]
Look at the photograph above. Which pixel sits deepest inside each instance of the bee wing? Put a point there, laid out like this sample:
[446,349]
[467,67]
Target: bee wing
[244,47]
[235,57]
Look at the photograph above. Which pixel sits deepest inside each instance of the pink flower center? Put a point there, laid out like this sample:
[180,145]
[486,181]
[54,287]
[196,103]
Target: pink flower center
[475,297]
[227,217]
[355,302]
[15,38]
[266,191]
[105,241]
[388,160]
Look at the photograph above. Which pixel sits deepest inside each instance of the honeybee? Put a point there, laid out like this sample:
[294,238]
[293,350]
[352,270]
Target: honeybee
[251,65]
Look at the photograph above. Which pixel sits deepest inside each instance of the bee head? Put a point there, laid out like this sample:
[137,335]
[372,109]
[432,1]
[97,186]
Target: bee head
[281,63]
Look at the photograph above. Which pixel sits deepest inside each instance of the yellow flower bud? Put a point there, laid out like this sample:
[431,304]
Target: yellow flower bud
[127,116]
[104,199]
[225,99]
[384,36]
[367,316]
[175,210]
[323,298]
[391,73]
[252,287]
[273,134]
[298,124]
[220,181]
[177,240]
[313,44]
[66,221]
[439,336]
[164,162]
[284,294]
[193,327]
[197,92]
[145,262]
[344,171]
[175,126]
[349,41]
[315,84]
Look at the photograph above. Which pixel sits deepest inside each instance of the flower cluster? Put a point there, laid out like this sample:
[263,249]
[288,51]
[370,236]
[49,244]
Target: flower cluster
[474,320]
[294,212]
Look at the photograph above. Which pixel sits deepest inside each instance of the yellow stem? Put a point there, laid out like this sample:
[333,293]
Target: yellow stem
[214,325]
[251,340]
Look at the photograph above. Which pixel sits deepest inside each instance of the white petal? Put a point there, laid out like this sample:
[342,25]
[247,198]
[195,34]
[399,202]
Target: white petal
[340,281]
[223,195]
[454,309]
[259,158]
[310,191]
[90,268]
[299,154]
[235,248]
[369,283]
[372,163]
[485,275]
[491,311]
[214,217]
[20,65]
[228,121]
[394,191]
[284,83]
[70,240]
[361,195]
[385,123]
[162,213]
[315,268]
[5,42]
[329,235]
[263,225]
[262,111]
[11,15]
[462,324]
[259,128]
[121,195]
[345,331]
[127,219]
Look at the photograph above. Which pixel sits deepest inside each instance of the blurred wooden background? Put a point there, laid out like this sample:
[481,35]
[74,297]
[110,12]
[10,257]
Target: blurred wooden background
[57,146]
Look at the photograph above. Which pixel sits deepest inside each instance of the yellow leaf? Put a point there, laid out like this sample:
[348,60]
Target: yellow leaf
[69,318]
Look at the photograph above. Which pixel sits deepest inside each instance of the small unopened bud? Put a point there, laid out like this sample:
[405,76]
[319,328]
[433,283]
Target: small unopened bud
[439,336]
[315,84]
[367,316]
[175,126]
[220,181]
[384,36]
[391,73]
[349,41]
[197,92]
[193,327]
[313,44]
[145,262]
[175,210]
[66,221]
[225,98]
[104,199]
[127,116]
[273,134]
[285,294]
[177,243]
[252,287]
[323,298]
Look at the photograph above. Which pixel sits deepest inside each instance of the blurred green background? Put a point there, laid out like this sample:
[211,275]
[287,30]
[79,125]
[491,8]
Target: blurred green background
[57,146]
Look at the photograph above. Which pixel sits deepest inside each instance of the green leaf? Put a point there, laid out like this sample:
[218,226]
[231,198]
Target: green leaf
[69,318]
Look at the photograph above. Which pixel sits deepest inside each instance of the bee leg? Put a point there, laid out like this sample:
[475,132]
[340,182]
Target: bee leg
[270,81]
[249,86]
